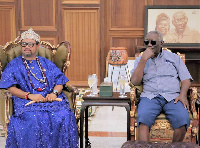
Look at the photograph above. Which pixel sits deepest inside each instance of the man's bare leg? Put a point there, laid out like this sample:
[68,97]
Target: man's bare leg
[179,134]
[144,132]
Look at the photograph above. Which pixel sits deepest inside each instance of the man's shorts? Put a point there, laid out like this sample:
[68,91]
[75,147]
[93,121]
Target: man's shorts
[148,110]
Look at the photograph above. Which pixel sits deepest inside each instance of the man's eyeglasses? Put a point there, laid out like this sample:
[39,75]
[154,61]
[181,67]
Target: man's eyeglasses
[146,42]
[30,44]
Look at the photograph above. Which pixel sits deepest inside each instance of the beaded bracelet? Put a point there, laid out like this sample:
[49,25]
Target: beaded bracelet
[26,96]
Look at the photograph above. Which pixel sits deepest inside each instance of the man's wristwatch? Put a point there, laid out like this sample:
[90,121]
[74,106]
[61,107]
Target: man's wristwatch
[55,92]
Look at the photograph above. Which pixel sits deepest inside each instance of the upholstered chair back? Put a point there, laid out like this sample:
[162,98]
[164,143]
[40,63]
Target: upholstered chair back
[3,60]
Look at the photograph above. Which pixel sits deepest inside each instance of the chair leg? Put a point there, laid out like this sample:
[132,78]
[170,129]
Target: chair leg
[194,134]
[133,130]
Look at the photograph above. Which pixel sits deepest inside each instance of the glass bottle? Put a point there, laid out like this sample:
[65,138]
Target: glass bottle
[94,87]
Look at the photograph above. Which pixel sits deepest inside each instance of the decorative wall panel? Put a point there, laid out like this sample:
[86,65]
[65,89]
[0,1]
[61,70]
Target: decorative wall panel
[38,14]
[81,1]
[52,40]
[7,24]
[83,32]
[7,0]
[127,14]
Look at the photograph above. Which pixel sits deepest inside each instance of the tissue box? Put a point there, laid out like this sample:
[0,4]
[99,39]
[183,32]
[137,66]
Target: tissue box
[106,89]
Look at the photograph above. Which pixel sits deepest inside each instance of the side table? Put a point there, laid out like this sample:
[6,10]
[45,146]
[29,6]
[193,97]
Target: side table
[115,100]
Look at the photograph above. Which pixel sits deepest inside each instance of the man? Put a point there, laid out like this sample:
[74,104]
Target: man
[47,122]
[182,33]
[159,71]
[163,24]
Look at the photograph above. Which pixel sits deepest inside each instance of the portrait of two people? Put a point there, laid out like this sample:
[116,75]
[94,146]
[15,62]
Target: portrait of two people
[175,29]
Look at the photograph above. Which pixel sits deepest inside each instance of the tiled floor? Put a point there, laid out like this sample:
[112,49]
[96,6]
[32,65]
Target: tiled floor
[2,142]
[107,128]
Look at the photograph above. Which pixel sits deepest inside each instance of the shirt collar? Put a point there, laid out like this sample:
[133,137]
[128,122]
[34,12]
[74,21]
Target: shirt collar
[160,54]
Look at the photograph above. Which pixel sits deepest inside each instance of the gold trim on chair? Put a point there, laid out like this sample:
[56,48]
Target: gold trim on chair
[0,69]
[68,54]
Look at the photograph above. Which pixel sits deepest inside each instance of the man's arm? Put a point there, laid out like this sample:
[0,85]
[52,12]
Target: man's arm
[185,85]
[137,75]
[21,94]
[17,92]
[59,88]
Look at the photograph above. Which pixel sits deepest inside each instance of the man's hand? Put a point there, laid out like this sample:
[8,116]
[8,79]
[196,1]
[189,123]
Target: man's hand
[50,97]
[183,100]
[36,97]
[148,53]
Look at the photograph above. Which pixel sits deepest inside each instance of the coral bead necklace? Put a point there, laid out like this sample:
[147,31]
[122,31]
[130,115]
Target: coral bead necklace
[44,80]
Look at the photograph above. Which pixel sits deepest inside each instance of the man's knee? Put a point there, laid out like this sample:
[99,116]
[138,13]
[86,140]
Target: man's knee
[180,120]
[177,115]
[145,119]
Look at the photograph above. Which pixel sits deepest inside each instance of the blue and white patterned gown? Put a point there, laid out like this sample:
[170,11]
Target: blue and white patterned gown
[39,125]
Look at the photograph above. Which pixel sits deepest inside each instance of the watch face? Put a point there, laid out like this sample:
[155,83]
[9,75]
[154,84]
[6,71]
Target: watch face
[55,92]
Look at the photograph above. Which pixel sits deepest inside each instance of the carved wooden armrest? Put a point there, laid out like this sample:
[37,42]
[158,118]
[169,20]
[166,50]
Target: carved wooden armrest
[8,105]
[0,69]
[75,92]
[71,88]
[193,99]
[133,99]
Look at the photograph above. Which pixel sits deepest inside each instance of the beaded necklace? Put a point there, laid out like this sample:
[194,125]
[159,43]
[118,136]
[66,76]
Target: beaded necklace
[44,80]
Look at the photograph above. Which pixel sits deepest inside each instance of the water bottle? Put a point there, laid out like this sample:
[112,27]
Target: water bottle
[94,87]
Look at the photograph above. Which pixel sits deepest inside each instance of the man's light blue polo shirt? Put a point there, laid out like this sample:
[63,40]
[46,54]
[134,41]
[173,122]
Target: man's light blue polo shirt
[162,75]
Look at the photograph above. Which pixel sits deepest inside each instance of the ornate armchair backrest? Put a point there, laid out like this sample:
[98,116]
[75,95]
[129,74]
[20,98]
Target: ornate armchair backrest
[62,55]
[3,60]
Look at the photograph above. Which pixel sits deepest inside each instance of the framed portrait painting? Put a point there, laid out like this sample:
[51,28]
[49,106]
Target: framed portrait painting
[179,25]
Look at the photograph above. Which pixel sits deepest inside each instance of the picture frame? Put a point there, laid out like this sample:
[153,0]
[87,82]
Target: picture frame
[172,19]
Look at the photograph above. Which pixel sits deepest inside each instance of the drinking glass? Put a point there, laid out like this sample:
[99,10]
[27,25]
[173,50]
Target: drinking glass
[90,83]
[122,86]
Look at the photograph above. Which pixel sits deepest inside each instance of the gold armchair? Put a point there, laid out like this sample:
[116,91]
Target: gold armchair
[162,130]
[60,55]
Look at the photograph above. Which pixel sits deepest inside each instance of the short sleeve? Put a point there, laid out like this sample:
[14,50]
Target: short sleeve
[183,72]
[8,78]
[137,60]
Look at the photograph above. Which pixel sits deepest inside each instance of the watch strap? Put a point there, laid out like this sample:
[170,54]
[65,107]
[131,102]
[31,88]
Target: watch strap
[55,92]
